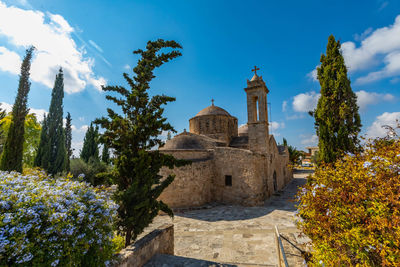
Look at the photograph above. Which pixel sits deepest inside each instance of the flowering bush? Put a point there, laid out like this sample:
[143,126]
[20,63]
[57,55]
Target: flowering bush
[49,222]
[351,210]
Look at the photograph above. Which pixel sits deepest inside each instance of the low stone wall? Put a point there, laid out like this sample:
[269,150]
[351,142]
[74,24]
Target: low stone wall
[159,241]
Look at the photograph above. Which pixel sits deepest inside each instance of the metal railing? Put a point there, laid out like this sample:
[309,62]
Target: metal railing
[279,249]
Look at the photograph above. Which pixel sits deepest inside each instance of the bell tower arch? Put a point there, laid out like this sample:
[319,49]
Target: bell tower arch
[257,114]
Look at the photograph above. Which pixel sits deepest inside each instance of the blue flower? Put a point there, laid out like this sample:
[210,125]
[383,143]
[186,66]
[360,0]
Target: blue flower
[367,164]
[7,217]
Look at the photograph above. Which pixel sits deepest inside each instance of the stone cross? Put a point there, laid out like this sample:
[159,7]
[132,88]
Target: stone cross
[212,101]
[255,70]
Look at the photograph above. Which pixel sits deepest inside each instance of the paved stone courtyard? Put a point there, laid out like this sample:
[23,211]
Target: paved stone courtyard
[234,235]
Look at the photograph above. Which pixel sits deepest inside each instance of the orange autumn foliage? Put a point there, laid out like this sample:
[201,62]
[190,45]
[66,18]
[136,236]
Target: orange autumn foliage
[351,209]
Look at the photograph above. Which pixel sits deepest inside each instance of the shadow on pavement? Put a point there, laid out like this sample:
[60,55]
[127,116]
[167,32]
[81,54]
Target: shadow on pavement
[282,200]
[175,261]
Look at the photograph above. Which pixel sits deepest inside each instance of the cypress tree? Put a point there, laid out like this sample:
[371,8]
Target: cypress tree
[11,159]
[337,120]
[133,136]
[105,155]
[42,156]
[90,147]
[53,157]
[2,116]
[68,139]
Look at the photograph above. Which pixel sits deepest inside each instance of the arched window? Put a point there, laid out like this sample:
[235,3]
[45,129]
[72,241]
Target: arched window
[275,182]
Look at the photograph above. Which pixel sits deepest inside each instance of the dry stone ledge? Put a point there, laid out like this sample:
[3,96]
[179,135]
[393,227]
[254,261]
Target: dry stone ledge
[159,241]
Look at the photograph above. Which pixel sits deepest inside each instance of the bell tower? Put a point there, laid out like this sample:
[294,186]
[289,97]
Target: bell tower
[257,114]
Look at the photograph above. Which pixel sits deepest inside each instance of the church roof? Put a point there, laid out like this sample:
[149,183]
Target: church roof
[213,110]
[255,77]
[188,140]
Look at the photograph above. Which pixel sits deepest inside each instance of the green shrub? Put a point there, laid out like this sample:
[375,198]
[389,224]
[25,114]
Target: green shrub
[351,209]
[49,222]
[91,171]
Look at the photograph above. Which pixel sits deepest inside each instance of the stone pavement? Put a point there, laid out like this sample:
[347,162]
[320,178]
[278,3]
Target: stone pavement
[235,235]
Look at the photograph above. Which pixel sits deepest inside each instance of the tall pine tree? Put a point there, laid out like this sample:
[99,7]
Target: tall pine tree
[337,120]
[133,135]
[11,159]
[52,154]
[68,139]
[42,156]
[90,147]
[2,135]
[105,154]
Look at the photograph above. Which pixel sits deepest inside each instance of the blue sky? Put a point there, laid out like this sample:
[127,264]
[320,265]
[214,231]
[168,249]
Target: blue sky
[222,40]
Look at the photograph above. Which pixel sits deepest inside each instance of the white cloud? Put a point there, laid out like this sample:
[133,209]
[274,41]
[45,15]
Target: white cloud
[313,75]
[395,80]
[305,102]
[383,5]
[9,61]
[365,99]
[24,3]
[38,112]
[308,101]
[309,140]
[274,126]
[385,42]
[391,69]
[51,35]
[76,147]
[78,134]
[360,37]
[295,117]
[127,67]
[96,46]
[284,106]
[81,129]
[375,44]
[376,130]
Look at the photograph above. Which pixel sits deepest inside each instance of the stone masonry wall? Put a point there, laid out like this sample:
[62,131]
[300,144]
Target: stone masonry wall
[159,241]
[192,184]
[248,177]
[279,164]
[204,181]
[219,127]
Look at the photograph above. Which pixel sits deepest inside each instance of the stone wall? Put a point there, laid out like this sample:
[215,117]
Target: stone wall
[220,127]
[226,175]
[192,184]
[159,241]
[248,175]
[279,164]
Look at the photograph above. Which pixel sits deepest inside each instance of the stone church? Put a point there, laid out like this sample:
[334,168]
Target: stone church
[230,165]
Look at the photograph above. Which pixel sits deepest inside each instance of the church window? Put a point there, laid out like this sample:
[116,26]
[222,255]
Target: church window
[255,108]
[228,180]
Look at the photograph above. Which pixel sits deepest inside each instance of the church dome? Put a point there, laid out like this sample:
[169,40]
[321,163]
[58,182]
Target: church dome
[213,110]
[187,140]
[214,122]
